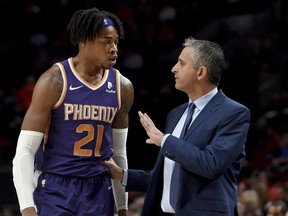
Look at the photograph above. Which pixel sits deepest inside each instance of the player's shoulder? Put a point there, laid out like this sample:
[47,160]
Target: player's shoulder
[125,81]
[53,71]
[51,77]
[127,89]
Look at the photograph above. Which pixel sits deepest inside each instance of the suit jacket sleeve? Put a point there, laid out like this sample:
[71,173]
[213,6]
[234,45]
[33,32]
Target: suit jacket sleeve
[138,180]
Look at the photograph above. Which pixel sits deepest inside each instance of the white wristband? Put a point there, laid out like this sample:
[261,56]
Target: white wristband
[23,166]
[119,138]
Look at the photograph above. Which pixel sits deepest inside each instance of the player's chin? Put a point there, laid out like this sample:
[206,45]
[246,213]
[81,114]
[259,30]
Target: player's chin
[111,62]
[109,65]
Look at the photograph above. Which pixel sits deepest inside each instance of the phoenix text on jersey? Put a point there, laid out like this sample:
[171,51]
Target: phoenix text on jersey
[89,112]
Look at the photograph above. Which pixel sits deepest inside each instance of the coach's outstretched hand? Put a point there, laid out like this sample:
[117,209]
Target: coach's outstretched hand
[155,135]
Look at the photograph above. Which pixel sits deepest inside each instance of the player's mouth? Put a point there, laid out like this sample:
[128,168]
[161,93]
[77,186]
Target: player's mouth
[113,59]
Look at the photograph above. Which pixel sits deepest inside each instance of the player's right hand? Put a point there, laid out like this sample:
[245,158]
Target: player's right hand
[30,211]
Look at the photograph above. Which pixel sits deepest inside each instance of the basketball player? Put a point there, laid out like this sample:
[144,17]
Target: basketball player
[77,117]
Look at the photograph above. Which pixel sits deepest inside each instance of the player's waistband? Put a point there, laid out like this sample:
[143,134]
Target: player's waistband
[104,173]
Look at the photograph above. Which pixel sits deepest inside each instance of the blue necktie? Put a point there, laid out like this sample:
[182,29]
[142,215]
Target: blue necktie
[175,174]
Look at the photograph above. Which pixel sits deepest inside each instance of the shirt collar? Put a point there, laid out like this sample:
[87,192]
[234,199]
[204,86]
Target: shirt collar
[201,102]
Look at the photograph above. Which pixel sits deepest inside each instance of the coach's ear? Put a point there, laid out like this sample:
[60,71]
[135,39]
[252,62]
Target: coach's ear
[202,73]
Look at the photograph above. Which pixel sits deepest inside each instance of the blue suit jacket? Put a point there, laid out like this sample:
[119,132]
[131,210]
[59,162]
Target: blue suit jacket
[210,156]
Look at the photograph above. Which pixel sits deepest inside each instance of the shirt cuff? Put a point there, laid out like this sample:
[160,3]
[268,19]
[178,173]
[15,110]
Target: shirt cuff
[125,177]
[164,139]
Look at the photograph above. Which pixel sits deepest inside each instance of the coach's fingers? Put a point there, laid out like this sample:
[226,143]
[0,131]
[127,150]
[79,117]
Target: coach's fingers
[116,172]
[148,119]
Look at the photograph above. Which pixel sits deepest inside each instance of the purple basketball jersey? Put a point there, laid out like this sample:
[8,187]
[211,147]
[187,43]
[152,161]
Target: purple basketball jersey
[79,131]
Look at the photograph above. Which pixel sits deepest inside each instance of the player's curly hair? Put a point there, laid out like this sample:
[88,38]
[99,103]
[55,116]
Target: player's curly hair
[87,23]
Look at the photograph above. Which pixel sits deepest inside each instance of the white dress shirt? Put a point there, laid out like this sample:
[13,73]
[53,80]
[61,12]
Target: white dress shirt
[200,103]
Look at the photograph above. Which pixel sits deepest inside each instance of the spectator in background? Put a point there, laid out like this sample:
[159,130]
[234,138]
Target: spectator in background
[249,203]
[24,94]
[277,208]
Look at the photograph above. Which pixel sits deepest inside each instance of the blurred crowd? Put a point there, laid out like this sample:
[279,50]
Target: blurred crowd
[253,34]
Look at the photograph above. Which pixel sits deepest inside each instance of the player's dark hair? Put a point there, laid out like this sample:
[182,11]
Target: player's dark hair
[86,24]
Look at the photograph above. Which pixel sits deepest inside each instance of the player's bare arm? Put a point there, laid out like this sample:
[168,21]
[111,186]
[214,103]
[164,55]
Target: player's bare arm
[119,136]
[121,119]
[46,93]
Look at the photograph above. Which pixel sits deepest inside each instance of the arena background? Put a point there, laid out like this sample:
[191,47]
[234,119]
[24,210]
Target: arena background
[253,34]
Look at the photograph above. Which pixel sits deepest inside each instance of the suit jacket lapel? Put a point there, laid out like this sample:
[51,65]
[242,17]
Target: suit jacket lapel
[174,117]
[208,110]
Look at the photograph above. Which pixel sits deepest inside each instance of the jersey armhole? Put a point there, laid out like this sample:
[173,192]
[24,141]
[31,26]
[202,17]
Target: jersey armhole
[64,90]
[118,86]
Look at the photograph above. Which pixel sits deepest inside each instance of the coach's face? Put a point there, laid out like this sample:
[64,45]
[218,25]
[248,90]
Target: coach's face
[186,77]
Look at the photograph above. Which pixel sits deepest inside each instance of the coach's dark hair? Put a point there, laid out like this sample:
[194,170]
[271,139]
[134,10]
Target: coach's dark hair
[208,54]
[86,24]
